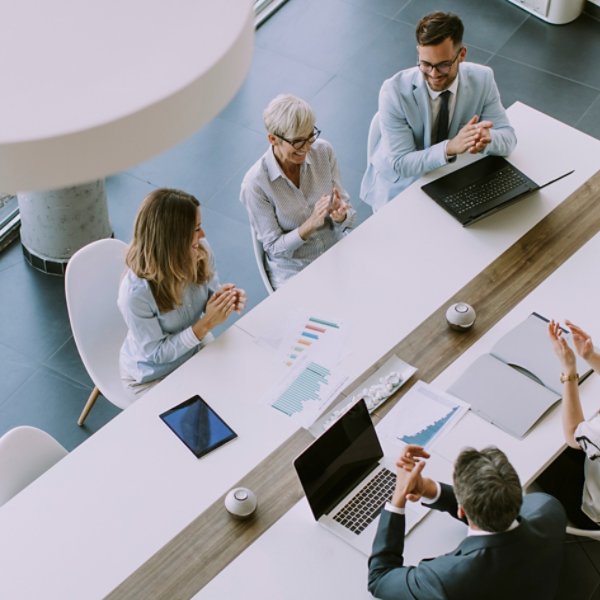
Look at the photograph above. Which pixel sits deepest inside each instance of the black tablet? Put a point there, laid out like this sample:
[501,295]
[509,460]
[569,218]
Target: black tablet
[198,426]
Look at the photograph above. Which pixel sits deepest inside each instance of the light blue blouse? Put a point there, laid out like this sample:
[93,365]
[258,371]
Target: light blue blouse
[157,343]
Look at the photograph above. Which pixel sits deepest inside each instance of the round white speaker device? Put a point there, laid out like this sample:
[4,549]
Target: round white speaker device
[241,502]
[460,316]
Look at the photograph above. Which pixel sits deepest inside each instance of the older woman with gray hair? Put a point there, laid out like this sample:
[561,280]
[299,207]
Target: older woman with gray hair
[297,206]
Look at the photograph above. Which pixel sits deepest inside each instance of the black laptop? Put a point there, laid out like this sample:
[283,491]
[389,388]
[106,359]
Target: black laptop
[482,188]
[347,479]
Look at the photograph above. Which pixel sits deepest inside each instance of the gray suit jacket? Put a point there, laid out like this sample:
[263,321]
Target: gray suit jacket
[399,147]
[523,563]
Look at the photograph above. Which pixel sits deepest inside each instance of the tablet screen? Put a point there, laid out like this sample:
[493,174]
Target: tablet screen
[198,426]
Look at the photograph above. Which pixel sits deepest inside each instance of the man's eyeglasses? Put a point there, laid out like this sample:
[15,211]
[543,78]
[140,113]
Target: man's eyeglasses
[443,68]
[298,144]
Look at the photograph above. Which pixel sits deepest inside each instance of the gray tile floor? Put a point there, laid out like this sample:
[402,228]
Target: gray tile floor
[334,53]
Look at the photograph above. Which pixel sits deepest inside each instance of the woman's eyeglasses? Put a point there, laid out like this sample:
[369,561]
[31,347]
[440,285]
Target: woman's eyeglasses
[298,144]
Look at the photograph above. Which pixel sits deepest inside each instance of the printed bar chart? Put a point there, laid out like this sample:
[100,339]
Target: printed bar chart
[305,387]
[314,332]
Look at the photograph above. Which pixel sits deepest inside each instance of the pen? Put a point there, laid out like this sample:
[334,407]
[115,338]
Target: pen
[328,218]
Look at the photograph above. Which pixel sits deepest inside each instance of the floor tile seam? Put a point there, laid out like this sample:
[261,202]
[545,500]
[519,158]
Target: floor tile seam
[592,15]
[594,565]
[471,45]
[588,110]
[36,368]
[406,3]
[247,127]
[282,52]
[35,360]
[524,64]
[31,361]
[66,378]
[331,78]
[11,266]
[374,11]
[525,18]
[357,48]
[235,218]
[46,364]
[226,181]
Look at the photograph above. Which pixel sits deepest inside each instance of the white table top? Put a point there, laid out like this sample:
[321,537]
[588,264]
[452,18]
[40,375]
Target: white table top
[322,566]
[92,88]
[136,481]
[142,486]
[570,292]
[399,266]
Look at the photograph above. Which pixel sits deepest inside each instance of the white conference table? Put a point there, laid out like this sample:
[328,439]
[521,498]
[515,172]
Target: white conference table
[138,483]
[395,269]
[319,565]
[94,518]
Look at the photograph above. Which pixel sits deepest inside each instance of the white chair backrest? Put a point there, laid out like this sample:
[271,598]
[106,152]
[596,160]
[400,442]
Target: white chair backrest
[91,286]
[259,255]
[594,534]
[25,453]
[374,135]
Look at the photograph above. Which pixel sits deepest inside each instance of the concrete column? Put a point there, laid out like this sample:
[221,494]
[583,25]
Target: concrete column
[55,224]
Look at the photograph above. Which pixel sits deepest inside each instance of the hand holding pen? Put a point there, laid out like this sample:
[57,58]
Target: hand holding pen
[328,219]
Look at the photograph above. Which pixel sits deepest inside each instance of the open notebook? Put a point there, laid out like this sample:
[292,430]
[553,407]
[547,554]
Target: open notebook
[518,381]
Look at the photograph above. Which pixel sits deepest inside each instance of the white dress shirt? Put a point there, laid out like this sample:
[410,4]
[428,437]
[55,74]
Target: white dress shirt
[426,501]
[587,435]
[277,208]
[435,103]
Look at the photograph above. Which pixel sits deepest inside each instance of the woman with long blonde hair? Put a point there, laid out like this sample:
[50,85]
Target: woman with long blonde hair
[169,297]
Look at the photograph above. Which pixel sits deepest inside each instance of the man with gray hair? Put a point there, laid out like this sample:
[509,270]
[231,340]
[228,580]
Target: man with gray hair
[514,543]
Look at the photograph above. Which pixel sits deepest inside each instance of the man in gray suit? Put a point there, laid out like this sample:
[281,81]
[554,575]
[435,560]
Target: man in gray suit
[514,544]
[431,113]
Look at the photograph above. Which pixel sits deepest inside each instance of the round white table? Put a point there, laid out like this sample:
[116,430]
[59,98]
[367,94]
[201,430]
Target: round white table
[92,88]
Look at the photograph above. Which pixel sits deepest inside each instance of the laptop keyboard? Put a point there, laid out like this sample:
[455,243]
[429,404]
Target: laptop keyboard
[478,193]
[358,513]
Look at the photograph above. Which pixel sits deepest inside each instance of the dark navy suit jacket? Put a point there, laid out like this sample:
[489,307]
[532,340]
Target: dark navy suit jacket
[522,563]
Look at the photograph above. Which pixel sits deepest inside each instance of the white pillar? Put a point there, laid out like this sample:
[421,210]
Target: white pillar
[56,223]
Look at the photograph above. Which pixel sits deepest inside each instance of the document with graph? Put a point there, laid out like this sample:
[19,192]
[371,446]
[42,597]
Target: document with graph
[319,338]
[307,390]
[422,415]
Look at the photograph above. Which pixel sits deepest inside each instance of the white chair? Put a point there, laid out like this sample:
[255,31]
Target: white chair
[91,287]
[374,135]
[25,453]
[259,255]
[594,534]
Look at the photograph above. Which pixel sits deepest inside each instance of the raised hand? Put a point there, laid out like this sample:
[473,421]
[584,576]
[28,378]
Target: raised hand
[316,220]
[581,340]
[565,354]
[410,484]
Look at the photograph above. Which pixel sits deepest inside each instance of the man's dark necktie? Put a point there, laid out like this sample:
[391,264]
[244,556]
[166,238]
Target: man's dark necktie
[441,132]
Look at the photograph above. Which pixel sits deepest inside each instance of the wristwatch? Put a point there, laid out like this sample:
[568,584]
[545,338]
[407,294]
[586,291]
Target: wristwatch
[570,377]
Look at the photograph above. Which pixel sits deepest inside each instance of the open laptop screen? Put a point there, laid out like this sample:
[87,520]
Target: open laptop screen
[339,459]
